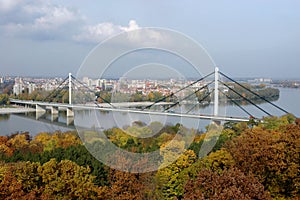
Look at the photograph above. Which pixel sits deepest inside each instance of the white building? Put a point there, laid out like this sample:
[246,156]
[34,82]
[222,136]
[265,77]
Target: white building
[31,87]
[18,88]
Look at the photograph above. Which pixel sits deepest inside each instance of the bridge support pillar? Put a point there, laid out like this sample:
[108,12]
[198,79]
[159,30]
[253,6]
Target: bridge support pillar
[38,115]
[54,117]
[54,110]
[70,112]
[39,109]
[70,121]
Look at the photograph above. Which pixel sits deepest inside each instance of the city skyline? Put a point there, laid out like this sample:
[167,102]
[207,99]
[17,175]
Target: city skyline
[245,39]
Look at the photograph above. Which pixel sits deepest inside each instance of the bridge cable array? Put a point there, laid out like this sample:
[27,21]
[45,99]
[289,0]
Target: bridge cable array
[201,100]
[76,82]
[56,91]
[233,101]
[173,93]
[82,84]
[188,96]
[249,101]
[255,93]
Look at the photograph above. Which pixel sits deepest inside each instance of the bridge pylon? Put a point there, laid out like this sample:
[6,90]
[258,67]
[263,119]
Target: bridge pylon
[70,88]
[216,96]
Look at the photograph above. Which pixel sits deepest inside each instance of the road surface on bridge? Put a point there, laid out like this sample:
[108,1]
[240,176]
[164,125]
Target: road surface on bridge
[107,107]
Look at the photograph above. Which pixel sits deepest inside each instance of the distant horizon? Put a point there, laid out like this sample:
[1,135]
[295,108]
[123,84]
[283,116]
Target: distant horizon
[152,78]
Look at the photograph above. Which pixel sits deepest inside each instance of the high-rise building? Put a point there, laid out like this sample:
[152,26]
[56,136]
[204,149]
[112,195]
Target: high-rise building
[100,83]
[31,87]
[90,82]
[17,89]
[85,80]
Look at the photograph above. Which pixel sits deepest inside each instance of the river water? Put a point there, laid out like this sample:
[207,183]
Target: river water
[11,123]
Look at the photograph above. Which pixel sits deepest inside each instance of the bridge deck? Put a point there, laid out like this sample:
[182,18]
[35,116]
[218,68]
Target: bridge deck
[104,107]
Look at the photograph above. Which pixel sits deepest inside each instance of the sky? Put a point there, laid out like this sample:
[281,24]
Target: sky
[252,38]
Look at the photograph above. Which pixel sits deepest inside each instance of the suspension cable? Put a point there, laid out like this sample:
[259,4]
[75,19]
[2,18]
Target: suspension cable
[255,93]
[77,84]
[82,84]
[172,94]
[236,103]
[245,98]
[55,90]
[201,88]
[200,101]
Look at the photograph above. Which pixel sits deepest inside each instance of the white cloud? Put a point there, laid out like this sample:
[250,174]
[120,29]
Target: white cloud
[99,32]
[39,20]
[8,5]
[131,26]
[55,17]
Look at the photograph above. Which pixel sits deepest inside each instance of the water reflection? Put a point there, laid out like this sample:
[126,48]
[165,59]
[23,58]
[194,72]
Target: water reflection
[4,117]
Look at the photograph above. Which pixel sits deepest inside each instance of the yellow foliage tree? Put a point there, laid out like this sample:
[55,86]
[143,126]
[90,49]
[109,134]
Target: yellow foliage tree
[67,180]
[168,184]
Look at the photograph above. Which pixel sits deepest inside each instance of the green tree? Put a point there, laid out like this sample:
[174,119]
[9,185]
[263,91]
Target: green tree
[4,99]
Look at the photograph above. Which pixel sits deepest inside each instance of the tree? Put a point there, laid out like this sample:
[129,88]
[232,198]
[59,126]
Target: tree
[126,185]
[272,156]
[67,180]
[19,181]
[154,96]
[229,184]
[137,97]
[4,99]
[275,123]
[57,139]
[169,185]
[203,95]
[219,160]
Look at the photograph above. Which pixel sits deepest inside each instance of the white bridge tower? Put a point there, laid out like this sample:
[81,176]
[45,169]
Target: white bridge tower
[216,96]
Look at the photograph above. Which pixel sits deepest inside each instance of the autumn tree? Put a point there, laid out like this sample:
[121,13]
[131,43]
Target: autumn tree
[66,180]
[127,185]
[19,181]
[168,184]
[229,184]
[272,156]
[57,139]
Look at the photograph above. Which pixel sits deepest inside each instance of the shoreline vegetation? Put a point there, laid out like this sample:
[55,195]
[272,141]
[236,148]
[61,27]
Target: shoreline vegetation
[254,160]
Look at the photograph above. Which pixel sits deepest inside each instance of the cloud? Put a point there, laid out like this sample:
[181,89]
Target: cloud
[38,20]
[8,5]
[97,33]
[55,17]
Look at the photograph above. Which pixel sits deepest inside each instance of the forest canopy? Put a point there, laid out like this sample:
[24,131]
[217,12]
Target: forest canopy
[247,162]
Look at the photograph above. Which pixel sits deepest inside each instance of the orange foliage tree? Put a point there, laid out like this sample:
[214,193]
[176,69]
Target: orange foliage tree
[273,156]
[229,184]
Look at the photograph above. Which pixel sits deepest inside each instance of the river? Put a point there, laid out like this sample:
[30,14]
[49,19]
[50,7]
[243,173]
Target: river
[11,123]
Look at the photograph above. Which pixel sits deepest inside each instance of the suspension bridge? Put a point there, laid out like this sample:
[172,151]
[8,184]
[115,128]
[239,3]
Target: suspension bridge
[87,100]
